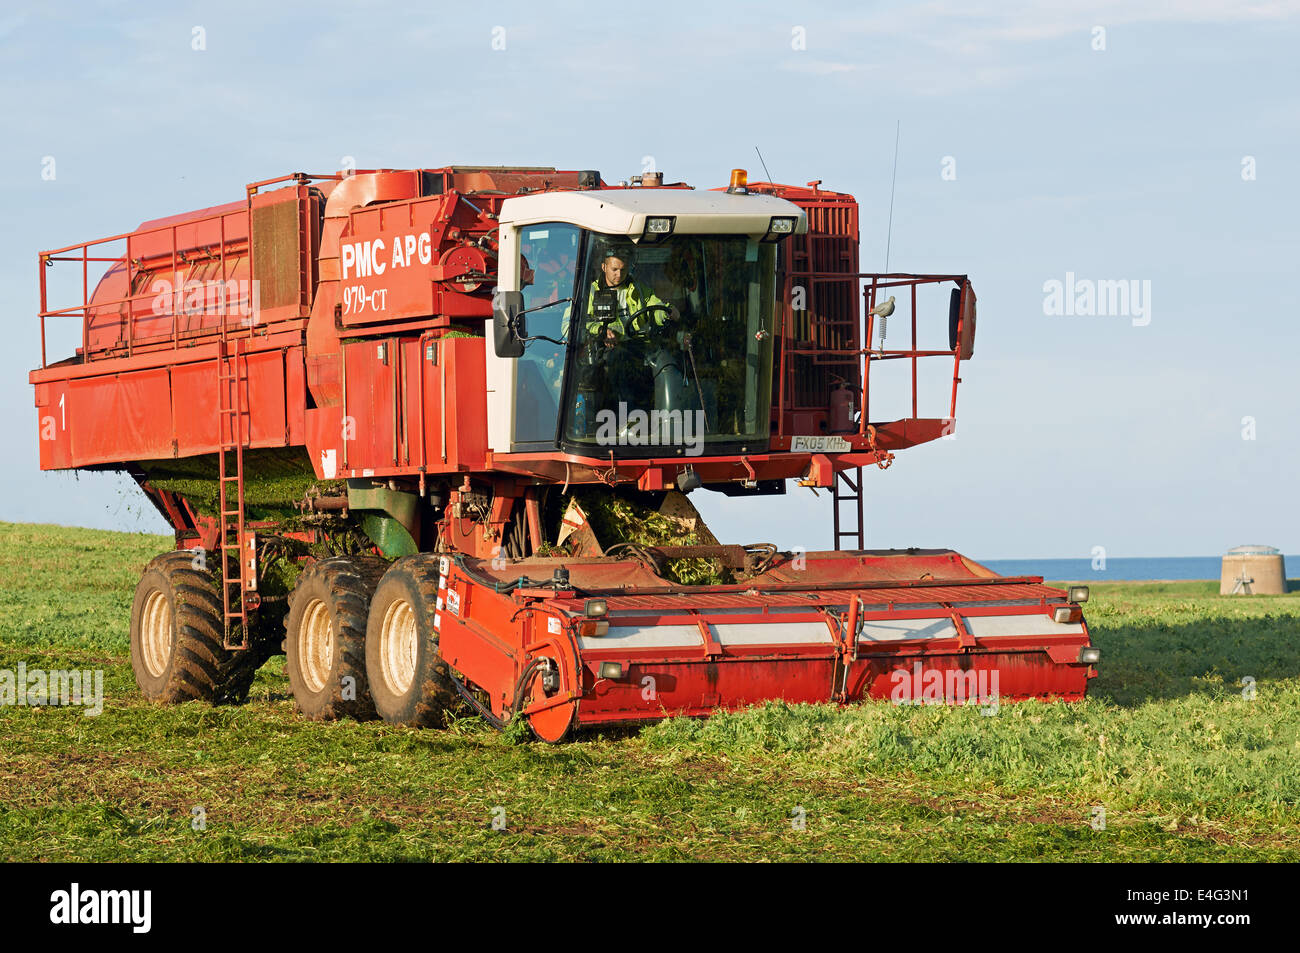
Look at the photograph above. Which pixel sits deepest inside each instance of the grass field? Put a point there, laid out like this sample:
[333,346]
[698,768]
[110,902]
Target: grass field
[1184,766]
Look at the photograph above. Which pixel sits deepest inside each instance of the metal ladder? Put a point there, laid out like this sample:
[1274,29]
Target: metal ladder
[238,543]
[833,329]
[853,496]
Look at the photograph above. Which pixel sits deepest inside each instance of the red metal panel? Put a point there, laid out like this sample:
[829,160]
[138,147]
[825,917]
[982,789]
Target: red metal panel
[52,425]
[324,427]
[432,387]
[483,641]
[413,371]
[652,690]
[295,390]
[194,411]
[183,412]
[122,417]
[1008,675]
[265,399]
[386,274]
[369,407]
[466,369]
[401,260]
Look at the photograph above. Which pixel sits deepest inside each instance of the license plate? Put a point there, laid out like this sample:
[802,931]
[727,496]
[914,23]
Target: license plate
[819,444]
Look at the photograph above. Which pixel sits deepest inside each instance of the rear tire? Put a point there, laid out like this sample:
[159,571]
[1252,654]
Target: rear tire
[325,637]
[177,630]
[409,681]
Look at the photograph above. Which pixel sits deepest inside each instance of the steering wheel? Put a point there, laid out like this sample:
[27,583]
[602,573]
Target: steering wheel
[651,328]
[599,338]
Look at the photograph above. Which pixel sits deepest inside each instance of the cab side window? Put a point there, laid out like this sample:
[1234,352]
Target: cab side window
[550,258]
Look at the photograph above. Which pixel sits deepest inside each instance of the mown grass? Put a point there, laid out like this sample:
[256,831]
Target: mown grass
[1185,766]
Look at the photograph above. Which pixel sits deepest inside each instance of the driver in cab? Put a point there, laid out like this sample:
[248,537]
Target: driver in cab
[618,305]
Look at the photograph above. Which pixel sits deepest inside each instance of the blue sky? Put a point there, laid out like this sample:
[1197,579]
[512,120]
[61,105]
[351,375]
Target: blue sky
[1117,163]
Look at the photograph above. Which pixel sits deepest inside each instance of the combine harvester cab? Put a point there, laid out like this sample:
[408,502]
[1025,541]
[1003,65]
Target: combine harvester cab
[374,406]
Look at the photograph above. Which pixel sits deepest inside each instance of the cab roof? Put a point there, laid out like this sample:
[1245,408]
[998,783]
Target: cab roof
[624,211]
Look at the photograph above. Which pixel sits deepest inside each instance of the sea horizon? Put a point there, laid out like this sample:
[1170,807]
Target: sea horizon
[1119,568]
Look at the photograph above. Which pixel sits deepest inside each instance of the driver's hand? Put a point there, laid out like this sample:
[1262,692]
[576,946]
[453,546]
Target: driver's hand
[610,339]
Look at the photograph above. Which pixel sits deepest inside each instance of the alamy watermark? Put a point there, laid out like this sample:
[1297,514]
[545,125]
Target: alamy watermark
[133,908]
[240,297]
[654,428]
[1086,297]
[59,687]
[934,686]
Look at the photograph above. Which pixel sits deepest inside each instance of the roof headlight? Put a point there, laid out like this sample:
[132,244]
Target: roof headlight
[658,227]
[780,227]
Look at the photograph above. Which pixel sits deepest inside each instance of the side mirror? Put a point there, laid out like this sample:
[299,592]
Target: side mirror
[508,325]
[961,321]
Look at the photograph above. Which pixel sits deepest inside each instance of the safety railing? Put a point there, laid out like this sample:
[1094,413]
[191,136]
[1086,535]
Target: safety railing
[824,340]
[139,257]
[871,294]
[159,250]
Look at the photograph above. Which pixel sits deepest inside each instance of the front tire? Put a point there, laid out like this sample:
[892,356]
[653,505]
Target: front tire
[325,633]
[409,681]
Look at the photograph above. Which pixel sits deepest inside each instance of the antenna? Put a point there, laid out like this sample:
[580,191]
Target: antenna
[889,234]
[889,231]
[764,164]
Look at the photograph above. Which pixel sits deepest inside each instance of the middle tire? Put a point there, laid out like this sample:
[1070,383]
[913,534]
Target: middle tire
[325,633]
[409,681]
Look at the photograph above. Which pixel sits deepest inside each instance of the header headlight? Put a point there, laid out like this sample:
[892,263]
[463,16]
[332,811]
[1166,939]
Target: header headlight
[1078,594]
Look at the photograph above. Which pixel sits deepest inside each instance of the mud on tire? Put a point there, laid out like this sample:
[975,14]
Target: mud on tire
[177,629]
[409,681]
[325,633]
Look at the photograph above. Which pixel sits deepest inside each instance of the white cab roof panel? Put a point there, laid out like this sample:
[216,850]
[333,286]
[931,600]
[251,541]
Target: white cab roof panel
[624,211]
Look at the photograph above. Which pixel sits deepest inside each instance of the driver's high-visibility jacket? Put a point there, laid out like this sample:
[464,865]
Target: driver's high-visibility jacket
[631,299]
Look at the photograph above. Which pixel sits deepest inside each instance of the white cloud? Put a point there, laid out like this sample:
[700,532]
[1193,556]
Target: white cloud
[968,46]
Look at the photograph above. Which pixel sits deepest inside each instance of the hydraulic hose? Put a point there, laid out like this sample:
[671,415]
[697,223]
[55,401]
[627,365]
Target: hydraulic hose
[483,711]
[479,708]
[523,582]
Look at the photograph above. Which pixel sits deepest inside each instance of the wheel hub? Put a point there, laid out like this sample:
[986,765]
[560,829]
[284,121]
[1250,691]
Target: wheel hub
[316,646]
[397,644]
[156,633]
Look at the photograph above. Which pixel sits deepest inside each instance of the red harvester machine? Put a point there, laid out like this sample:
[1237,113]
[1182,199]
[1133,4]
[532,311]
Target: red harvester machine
[401,422]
